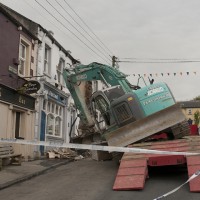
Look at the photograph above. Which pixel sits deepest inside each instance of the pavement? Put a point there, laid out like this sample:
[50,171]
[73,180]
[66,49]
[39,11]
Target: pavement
[12,174]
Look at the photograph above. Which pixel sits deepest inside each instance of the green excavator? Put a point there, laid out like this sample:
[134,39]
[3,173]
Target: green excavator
[123,113]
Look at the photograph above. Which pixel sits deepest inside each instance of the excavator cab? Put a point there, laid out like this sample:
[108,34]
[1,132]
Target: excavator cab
[101,107]
[114,108]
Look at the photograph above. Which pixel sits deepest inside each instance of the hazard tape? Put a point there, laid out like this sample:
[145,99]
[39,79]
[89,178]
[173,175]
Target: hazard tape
[196,174]
[92,147]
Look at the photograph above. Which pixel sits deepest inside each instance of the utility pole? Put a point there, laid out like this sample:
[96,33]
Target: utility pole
[114,59]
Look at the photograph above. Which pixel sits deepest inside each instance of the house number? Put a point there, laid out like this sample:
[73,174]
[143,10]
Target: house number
[21,100]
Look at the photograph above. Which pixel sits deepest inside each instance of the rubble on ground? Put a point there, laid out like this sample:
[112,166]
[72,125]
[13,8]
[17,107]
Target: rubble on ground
[61,153]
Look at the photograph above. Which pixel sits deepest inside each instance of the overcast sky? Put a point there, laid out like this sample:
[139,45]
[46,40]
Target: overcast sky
[148,30]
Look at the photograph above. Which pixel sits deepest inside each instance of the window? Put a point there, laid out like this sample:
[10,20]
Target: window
[189,111]
[17,124]
[58,126]
[47,58]
[48,106]
[60,68]
[44,104]
[24,57]
[95,86]
[54,118]
[50,124]
[53,108]
[57,108]
[103,107]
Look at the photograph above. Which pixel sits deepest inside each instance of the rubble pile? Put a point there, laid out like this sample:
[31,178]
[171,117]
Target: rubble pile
[61,153]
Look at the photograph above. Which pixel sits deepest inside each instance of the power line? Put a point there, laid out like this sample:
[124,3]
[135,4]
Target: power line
[88,27]
[80,25]
[180,61]
[170,59]
[73,26]
[47,19]
[68,29]
[43,16]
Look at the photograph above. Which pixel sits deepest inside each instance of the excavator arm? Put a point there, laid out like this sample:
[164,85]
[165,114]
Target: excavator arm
[77,77]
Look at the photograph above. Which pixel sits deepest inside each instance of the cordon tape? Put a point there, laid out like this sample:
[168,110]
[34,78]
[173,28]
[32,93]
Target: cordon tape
[105,148]
[197,173]
[93,147]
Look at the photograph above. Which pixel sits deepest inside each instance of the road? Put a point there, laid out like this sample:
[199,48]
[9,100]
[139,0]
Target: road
[91,180]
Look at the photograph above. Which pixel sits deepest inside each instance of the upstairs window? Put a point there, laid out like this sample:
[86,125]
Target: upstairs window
[24,57]
[47,59]
[60,68]
[189,111]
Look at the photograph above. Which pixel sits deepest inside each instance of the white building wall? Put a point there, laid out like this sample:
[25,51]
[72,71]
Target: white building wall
[52,78]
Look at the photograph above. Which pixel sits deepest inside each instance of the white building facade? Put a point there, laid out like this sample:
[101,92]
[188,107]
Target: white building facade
[55,113]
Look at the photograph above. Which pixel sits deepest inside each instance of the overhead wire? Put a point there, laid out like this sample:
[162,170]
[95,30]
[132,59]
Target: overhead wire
[69,30]
[89,28]
[46,18]
[81,27]
[75,28]
[171,59]
[180,61]
[43,16]
[158,60]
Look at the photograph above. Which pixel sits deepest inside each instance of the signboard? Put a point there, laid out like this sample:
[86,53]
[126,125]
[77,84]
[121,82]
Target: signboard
[12,96]
[30,87]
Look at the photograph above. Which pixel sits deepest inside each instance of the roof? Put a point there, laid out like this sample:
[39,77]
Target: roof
[5,10]
[190,104]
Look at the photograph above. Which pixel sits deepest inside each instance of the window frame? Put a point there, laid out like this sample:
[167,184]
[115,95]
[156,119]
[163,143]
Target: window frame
[189,111]
[59,70]
[47,59]
[27,57]
[55,115]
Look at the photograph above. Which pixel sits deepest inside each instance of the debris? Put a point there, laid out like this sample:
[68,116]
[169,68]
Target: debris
[79,157]
[61,153]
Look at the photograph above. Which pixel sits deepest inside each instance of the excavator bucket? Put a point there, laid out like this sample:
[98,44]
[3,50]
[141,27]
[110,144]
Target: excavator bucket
[168,118]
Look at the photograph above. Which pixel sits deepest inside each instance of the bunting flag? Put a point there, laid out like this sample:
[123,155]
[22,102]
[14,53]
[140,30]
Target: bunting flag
[167,74]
